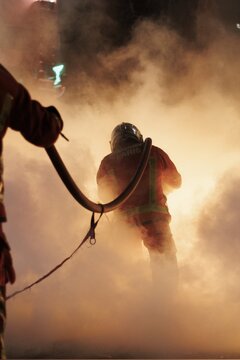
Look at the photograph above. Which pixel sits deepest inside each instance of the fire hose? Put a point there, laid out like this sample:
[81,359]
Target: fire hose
[81,198]
[88,204]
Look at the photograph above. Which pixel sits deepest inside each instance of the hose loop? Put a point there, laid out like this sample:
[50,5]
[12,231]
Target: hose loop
[81,198]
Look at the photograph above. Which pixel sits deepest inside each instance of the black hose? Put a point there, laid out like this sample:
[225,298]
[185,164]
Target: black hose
[81,198]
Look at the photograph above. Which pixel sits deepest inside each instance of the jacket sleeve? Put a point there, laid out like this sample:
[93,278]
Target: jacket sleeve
[106,181]
[102,180]
[38,124]
[171,179]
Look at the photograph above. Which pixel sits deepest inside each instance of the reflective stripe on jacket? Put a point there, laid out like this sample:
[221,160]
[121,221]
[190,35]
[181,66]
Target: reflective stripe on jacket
[159,178]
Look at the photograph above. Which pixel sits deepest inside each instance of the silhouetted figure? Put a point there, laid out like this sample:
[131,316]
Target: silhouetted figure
[147,207]
[40,126]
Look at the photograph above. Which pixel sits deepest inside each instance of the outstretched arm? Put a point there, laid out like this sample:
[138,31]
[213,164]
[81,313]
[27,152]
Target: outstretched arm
[38,124]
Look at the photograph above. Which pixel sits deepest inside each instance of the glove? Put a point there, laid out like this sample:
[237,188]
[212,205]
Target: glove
[7,272]
[54,111]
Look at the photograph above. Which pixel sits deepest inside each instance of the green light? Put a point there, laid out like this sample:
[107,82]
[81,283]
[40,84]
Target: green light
[58,70]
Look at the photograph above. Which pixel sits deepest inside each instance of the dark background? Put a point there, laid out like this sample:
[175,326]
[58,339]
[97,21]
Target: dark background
[89,29]
[92,27]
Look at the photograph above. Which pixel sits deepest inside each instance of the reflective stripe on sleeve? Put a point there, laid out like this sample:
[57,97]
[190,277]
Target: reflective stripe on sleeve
[147,208]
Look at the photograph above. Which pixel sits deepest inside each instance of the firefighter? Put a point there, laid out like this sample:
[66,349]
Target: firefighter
[147,207]
[40,126]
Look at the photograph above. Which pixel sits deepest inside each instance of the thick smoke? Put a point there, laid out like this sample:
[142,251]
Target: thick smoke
[218,233]
[185,97]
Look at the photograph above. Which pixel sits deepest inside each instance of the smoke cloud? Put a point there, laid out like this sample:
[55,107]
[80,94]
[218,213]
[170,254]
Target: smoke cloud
[184,96]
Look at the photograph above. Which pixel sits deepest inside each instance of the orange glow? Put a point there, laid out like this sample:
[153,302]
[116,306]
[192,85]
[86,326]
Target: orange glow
[104,298]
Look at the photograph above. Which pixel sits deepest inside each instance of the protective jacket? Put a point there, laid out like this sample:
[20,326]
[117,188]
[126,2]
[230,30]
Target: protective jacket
[147,207]
[39,125]
[159,178]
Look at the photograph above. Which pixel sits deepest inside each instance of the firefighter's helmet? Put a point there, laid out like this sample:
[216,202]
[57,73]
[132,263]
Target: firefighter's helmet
[122,133]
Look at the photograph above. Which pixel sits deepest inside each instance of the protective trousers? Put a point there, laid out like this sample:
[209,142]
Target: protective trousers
[157,237]
[155,232]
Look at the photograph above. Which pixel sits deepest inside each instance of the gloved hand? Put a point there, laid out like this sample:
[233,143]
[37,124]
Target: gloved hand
[7,272]
[54,111]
